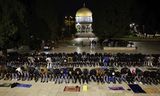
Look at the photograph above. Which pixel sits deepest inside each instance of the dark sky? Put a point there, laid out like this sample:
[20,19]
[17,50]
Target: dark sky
[148,8]
[63,7]
[69,7]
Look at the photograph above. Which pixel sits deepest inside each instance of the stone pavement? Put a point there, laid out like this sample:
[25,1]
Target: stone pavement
[141,48]
[87,49]
[51,89]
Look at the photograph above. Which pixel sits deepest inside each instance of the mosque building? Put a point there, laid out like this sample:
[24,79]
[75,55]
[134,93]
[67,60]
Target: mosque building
[84,22]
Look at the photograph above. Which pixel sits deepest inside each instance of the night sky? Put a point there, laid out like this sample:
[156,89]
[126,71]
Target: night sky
[69,7]
[143,11]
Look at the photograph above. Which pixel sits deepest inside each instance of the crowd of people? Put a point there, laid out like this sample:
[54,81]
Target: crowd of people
[81,67]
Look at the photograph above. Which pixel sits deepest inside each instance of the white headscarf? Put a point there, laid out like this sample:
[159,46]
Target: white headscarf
[19,70]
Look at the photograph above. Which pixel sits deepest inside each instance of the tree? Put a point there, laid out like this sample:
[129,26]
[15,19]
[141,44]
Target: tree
[49,16]
[146,14]
[112,18]
[12,13]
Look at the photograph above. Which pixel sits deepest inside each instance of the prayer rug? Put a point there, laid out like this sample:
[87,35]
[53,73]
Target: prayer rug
[5,85]
[72,89]
[85,88]
[136,88]
[116,88]
[14,84]
[24,85]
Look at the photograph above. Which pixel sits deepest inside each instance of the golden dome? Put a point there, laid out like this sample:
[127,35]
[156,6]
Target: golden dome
[83,12]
